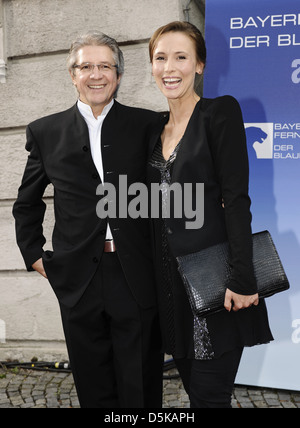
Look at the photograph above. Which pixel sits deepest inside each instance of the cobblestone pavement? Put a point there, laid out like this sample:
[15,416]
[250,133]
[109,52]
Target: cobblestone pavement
[21,388]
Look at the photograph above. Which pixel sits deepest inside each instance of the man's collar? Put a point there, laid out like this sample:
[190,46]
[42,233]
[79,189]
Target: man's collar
[87,112]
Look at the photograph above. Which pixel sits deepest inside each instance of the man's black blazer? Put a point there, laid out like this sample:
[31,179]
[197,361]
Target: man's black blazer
[60,154]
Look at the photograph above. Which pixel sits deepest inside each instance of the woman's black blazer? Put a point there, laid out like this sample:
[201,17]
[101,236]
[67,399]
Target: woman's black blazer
[213,151]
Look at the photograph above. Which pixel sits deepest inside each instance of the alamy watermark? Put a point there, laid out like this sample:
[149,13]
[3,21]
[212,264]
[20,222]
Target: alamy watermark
[160,200]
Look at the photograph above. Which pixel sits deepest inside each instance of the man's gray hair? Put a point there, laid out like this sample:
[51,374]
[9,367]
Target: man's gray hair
[96,38]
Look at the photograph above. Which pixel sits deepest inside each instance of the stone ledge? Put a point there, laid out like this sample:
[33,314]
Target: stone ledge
[24,351]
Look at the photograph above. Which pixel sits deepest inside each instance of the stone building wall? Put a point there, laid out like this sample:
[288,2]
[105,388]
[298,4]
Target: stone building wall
[35,36]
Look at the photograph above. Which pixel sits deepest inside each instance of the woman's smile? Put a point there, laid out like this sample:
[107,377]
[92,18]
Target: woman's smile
[172,82]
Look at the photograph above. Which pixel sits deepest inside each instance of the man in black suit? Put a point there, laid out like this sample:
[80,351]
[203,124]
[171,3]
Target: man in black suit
[100,268]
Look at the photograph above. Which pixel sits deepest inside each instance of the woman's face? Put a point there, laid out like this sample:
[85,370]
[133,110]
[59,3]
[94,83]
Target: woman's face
[175,64]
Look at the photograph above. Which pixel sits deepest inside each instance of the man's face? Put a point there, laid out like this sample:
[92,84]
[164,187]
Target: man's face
[96,87]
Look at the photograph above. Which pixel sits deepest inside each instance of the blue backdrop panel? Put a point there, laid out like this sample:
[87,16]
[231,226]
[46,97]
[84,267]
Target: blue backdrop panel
[254,55]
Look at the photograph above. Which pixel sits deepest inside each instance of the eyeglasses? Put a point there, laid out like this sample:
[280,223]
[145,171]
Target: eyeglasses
[88,68]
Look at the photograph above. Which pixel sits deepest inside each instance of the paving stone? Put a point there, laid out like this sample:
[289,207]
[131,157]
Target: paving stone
[36,389]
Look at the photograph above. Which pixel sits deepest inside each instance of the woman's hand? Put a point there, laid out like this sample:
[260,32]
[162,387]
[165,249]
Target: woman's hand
[39,267]
[236,302]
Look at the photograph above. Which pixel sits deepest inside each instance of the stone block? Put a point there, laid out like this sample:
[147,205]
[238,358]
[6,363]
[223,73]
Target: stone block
[29,308]
[12,163]
[11,259]
[58,22]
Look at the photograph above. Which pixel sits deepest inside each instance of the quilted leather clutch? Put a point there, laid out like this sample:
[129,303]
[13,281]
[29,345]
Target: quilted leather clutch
[206,273]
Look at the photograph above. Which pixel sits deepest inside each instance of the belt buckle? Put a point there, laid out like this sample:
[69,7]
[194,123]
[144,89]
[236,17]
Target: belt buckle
[109,246]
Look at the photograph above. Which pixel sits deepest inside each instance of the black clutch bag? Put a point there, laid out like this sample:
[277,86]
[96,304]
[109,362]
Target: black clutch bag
[206,273]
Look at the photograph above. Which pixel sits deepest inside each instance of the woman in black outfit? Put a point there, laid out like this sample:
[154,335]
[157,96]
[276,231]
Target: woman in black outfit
[202,141]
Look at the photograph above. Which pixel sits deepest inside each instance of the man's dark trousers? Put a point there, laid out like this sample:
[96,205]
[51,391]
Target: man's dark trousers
[111,343]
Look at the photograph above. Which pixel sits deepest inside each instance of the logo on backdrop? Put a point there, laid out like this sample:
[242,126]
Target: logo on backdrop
[273,140]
